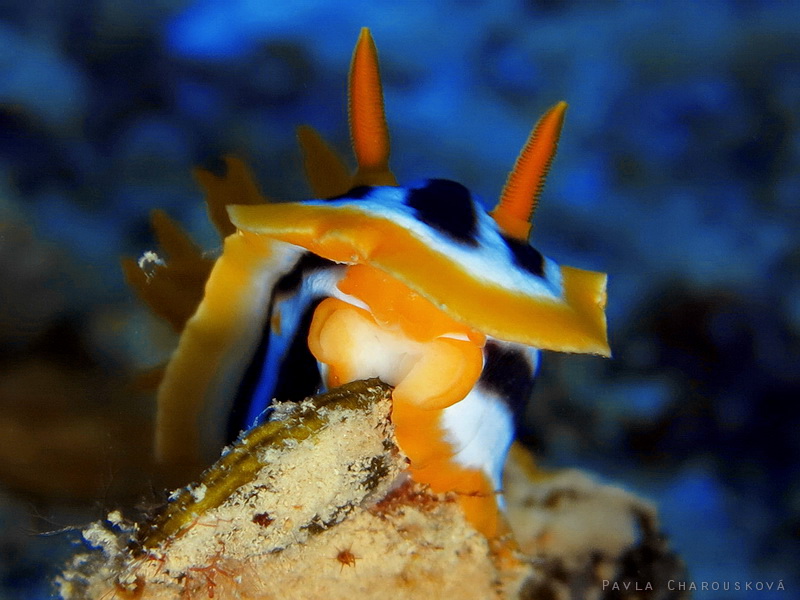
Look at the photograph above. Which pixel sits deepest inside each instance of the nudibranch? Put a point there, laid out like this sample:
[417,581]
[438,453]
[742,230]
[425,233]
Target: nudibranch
[417,285]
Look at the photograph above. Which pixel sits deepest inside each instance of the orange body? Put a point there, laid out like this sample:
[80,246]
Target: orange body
[432,360]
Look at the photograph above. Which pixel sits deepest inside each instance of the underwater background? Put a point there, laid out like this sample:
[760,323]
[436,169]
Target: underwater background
[677,174]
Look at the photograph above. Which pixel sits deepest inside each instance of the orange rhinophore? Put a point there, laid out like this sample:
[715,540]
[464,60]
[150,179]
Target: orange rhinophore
[525,182]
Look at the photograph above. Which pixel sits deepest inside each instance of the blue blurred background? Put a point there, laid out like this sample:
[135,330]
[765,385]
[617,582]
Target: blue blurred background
[677,174]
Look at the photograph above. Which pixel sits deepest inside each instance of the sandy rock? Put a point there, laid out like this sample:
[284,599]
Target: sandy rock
[317,504]
[314,504]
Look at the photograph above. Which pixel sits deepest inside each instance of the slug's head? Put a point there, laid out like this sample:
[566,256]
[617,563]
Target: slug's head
[435,237]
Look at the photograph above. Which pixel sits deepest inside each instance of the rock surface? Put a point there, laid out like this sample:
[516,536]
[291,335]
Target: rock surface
[325,512]
[316,503]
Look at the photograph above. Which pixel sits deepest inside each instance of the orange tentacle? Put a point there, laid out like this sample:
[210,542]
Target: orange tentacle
[525,182]
[236,186]
[368,129]
[327,174]
[173,290]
